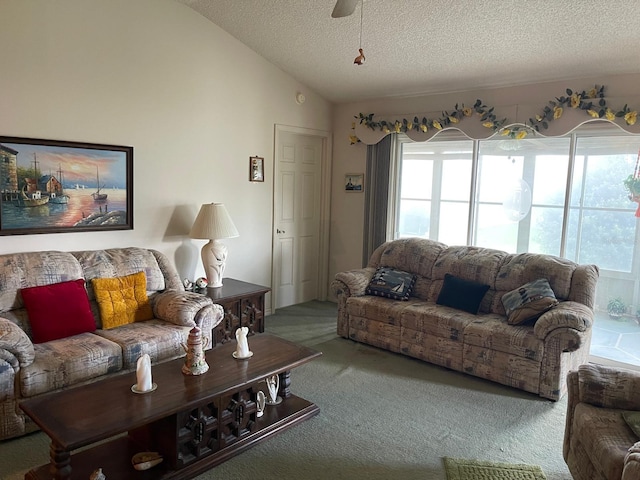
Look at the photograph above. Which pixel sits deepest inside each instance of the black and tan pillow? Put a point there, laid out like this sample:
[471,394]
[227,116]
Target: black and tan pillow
[528,302]
[461,294]
[391,283]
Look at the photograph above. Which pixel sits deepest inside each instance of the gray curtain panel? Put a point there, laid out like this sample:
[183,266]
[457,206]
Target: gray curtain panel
[376,195]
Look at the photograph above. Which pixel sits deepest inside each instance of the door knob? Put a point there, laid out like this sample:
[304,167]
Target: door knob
[280,231]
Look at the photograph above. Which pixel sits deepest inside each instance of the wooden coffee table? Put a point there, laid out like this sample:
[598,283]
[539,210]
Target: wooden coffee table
[194,422]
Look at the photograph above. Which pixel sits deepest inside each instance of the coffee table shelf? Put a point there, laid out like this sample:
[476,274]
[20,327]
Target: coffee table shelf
[171,419]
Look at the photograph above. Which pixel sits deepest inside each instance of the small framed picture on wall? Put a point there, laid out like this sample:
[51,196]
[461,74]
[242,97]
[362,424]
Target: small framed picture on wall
[354,182]
[256,169]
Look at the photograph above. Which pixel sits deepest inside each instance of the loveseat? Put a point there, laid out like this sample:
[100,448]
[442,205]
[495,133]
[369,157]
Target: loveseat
[534,356]
[87,350]
[602,431]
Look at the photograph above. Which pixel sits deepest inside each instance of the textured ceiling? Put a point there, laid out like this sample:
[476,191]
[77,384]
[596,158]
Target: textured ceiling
[434,46]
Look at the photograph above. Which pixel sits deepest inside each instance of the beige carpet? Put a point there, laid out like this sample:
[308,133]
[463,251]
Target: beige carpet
[461,469]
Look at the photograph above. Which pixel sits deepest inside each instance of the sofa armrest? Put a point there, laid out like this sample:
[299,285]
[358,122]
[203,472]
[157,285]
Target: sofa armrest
[16,347]
[631,469]
[353,283]
[572,315]
[609,387]
[188,309]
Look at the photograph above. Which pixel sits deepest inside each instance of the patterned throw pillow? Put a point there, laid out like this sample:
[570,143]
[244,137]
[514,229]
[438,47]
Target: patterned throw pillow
[122,300]
[461,294]
[58,311]
[529,301]
[391,283]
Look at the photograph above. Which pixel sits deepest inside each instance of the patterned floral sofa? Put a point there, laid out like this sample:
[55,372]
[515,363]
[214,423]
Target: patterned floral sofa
[534,356]
[29,368]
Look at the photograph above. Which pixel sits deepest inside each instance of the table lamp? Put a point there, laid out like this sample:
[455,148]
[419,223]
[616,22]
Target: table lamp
[213,222]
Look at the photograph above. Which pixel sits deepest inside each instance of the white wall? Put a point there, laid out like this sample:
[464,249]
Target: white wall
[193,102]
[347,209]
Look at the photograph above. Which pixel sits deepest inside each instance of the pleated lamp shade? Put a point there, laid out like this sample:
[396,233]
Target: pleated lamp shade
[213,222]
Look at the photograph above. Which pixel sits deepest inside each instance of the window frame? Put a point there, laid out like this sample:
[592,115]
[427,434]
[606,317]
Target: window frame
[596,129]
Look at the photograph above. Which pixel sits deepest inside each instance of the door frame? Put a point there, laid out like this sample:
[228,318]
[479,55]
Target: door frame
[325,206]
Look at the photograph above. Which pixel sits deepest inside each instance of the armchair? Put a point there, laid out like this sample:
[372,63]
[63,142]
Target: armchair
[598,443]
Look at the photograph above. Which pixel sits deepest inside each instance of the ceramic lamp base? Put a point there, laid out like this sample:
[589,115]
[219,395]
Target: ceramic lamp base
[214,259]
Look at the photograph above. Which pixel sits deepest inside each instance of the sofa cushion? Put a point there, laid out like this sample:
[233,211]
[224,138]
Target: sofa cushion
[461,294]
[472,263]
[434,333]
[376,308]
[117,262]
[376,320]
[69,361]
[529,301]
[522,268]
[30,269]
[122,300]
[58,310]
[416,255]
[432,319]
[491,332]
[161,340]
[391,283]
[608,387]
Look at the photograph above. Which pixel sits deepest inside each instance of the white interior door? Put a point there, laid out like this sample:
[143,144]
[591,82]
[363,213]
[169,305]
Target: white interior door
[297,193]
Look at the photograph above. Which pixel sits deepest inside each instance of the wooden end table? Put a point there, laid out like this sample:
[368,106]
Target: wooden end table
[195,422]
[243,305]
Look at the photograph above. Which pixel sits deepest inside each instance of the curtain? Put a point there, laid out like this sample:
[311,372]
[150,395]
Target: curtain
[376,191]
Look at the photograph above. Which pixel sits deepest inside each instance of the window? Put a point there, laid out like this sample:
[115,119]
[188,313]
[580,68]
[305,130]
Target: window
[601,229]
[521,194]
[435,180]
[562,196]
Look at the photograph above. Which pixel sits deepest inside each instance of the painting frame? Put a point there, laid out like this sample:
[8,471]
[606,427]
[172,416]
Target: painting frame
[256,169]
[354,182]
[77,199]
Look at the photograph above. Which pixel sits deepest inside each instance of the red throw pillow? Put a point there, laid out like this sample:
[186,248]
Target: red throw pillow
[59,310]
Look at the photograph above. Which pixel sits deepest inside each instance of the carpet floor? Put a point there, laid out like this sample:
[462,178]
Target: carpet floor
[382,416]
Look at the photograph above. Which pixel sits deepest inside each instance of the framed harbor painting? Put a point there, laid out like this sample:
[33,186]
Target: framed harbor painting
[52,186]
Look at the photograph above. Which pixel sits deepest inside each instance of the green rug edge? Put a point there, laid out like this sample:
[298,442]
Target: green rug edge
[451,466]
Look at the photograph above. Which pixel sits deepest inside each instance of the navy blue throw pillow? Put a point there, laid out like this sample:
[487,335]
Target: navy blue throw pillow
[461,294]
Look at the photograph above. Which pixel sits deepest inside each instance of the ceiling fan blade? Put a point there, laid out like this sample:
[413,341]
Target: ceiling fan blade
[344,8]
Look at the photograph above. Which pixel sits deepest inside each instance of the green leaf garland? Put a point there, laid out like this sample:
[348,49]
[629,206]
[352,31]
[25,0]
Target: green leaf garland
[592,102]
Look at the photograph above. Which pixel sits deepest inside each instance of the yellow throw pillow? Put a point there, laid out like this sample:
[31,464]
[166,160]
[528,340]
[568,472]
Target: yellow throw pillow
[122,300]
